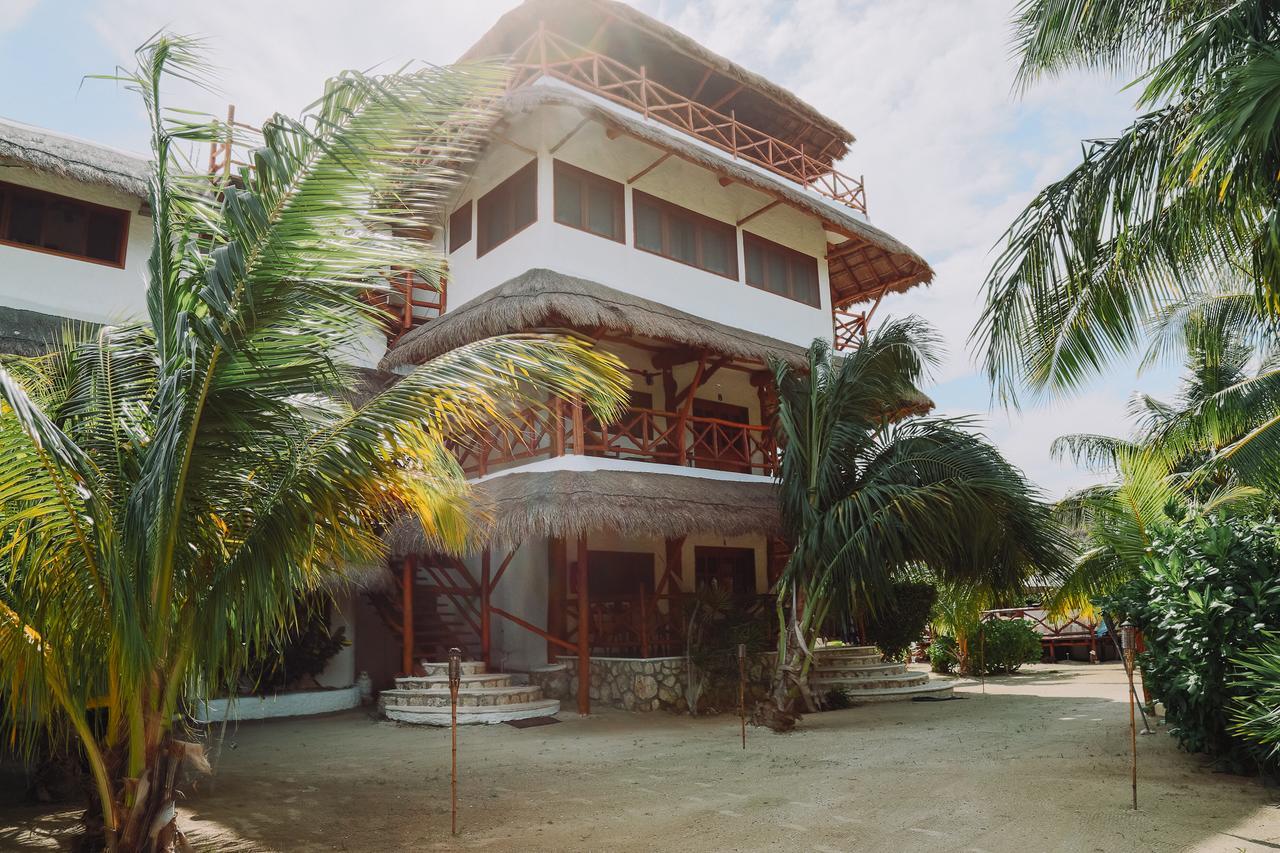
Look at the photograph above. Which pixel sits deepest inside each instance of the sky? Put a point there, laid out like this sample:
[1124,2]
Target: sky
[949,150]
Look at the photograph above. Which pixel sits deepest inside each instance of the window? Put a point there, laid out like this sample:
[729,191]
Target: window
[682,235]
[46,222]
[780,270]
[508,208]
[588,201]
[460,228]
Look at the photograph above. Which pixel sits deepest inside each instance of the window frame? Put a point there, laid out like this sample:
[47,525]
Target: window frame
[464,212]
[124,216]
[617,190]
[506,186]
[788,253]
[700,222]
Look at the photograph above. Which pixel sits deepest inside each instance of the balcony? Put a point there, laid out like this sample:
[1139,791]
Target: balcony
[547,54]
[642,435]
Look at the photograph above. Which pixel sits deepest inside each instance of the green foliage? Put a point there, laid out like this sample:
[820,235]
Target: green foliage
[1002,646]
[870,495]
[837,700]
[717,622]
[1208,593]
[894,627]
[1255,717]
[944,654]
[300,654]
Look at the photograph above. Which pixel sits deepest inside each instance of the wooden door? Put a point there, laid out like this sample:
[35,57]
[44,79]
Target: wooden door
[732,569]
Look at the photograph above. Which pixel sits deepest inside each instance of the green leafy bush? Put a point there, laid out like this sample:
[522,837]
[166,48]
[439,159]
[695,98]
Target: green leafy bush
[1003,646]
[944,654]
[837,699]
[1256,713]
[895,627]
[1209,592]
[301,654]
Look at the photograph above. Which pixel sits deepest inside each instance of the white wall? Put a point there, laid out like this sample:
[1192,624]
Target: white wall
[68,287]
[621,266]
[341,669]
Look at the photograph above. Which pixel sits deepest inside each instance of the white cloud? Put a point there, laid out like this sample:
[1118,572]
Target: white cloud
[15,12]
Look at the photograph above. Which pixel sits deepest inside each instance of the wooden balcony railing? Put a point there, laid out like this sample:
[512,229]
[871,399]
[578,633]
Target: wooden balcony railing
[649,625]
[551,55]
[646,435]
[407,302]
[850,328]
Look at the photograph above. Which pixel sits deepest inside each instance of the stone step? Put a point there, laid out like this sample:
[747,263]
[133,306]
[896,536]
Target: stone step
[469,667]
[932,690]
[470,716]
[877,682]
[478,679]
[842,670]
[855,651]
[823,661]
[468,698]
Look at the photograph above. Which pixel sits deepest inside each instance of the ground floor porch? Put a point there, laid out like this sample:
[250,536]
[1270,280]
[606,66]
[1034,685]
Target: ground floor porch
[1039,762]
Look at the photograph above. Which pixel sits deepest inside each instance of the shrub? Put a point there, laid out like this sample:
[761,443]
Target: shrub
[837,699]
[1255,716]
[944,654]
[1208,593]
[896,626]
[1003,646]
[300,655]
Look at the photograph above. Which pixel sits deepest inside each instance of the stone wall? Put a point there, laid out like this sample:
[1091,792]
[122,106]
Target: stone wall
[648,684]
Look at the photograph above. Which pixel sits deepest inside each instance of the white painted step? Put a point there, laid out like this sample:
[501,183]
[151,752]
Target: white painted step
[469,667]
[874,682]
[491,714]
[933,689]
[476,679]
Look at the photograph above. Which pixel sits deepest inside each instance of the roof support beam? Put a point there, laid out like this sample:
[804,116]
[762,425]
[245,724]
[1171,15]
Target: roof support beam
[647,169]
[577,127]
[509,141]
[726,97]
[758,211]
[673,357]
[706,75]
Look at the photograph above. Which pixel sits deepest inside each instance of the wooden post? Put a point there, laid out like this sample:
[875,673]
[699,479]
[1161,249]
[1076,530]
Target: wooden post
[742,690]
[455,681]
[486,561]
[686,409]
[557,593]
[579,432]
[406,620]
[673,578]
[557,431]
[584,631]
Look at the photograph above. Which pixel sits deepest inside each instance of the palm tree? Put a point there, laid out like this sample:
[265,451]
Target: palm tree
[1180,464]
[1183,200]
[867,496]
[171,488]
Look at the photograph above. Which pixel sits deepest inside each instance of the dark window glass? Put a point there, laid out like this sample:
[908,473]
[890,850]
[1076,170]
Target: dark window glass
[588,201]
[682,235]
[62,225]
[508,208]
[460,227]
[780,270]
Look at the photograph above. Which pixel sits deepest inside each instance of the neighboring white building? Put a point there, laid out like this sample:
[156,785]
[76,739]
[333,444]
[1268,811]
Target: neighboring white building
[686,214]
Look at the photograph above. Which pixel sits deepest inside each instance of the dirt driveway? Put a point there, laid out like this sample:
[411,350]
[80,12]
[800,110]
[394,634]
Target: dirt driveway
[1037,763]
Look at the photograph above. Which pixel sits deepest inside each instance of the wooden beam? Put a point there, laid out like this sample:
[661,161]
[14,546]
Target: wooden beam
[687,408]
[697,90]
[509,141]
[647,169]
[725,181]
[577,127]
[584,631]
[726,97]
[612,132]
[710,371]
[673,576]
[551,641]
[758,211]
[502,568]
[673,357]
[406,617]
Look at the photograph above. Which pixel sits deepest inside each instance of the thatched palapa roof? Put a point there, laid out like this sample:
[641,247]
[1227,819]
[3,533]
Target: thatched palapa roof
[632,503]
[544,299]
[674,60]
[70,157]
[868,259]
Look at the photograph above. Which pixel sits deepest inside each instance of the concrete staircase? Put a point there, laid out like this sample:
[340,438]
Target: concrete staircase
[483,697]
[860,672]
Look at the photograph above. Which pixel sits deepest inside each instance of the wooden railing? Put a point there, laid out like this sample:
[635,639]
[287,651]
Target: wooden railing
[646,435]
[649,625]
[407,302]
[850,328]
[551,55]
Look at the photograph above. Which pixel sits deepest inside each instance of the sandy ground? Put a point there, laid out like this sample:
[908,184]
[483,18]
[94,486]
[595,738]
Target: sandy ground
[1039,762]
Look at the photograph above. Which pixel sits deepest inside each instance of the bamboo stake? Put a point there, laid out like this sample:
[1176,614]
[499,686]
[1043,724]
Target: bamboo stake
[1126,640]
[742,690]
[455,680]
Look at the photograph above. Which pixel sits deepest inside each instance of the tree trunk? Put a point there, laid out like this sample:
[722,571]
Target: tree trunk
[145,808]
